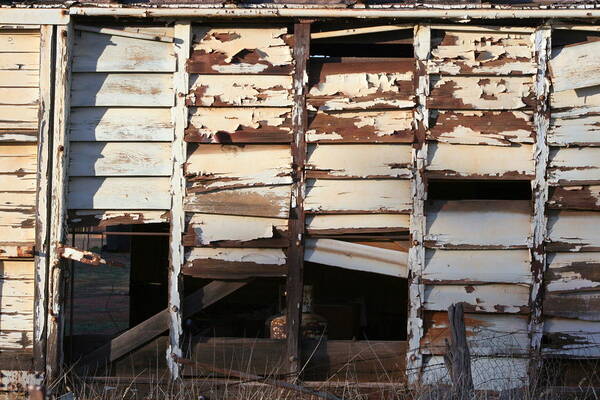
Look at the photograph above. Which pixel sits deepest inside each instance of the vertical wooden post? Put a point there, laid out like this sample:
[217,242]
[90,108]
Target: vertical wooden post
[539,188]
[60,157]
[458,358]
[183,35]
[295,279]
[416,253]
[42,223]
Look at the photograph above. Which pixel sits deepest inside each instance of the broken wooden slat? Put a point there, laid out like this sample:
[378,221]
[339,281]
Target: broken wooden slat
[359,31]
[574,165]
[492,298]
[103,218]
[575,197]
[582,305]
[573,231]
[575,66]
[359,223]
[234,263]
[85,257]
[577,126]
[571,337]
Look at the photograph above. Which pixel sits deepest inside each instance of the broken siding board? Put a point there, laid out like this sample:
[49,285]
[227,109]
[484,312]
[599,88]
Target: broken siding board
[496,128]
[239,125]
[25,117]
[19,79]
[576,66]
[573,231]
[573,272]
[98,52]
[357,223]
[450,224]
[581,305]
[357,196]
[119,193]
[120,124]
[481,93]
[477,266]
[488,162]
[574,165]
[18,158]
[234,263]
[575,197]
[578,126]
[103,218]
[360,127]
[572,338]
[120,159]
[240,50]
[492,298]
[241,90]
[336,161]
[124,90]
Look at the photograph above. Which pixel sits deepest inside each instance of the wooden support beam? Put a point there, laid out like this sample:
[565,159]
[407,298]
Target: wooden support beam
[295,255]
[457,357]
[183,35]
[416,253]
[360,31]
[157,324]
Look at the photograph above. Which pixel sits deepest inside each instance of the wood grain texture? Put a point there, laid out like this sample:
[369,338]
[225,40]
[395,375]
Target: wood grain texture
[575,197]
[575,66]
[234,263]
[573,231]
[574,165]
[491,298]
[356,223]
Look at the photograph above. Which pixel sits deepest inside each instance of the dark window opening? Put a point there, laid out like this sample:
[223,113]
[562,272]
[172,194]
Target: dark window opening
[478,190]
[565,37]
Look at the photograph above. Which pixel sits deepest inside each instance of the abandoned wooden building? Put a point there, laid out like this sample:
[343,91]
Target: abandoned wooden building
[296,187]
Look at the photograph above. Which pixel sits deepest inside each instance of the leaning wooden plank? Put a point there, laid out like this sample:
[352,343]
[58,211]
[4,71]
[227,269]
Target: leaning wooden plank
[120,159]
[104,218]
[240,50]
[571,337]
[234,263]
[481,93]
[573,272]
[119,193]
[17,41]
[575,66]
[123,90]
[360,126]
[215,166]
[16,118]
[20,61]
[577,126]
[97,52]
[482,162]
[451,224]
[17,225]
[493,298]
[18,158]
[359,31]
[574,165]
[575,197]
[241,90]
[359,223]
[19,79]
[496,128]
[121,124]
[239,125]
[358,161]
[357,196]
[581,305]
[357,257]
[261,201]
[477,266]
[573,231]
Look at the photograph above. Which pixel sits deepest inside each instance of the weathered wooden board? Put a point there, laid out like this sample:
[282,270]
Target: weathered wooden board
[119,193]
[18,158]
[357,196]
[240,50]
[99,52]
[574,165]
[575,197]
[481,93]
[16,269]
[120,159]
[241,90]
[103,218]
[16,340]
[573,231]
[20,61]
[18,96]
[575,66]
[358,223]
[120,124]
[12,250]
[20,182]
[260,201]
[380,126]
[14,41]
[487,334]
[578,126]
[18,117]
[361,85]
[239,125]
[19,78]
[487,162]
[16,199]
[496,128]
[17,312]
[492,298]
[122,90]
[571,337]
[358,161]
[234,263]
[17,225]
[485,53]
[18,135]
[572,272]
[477,266]
[454,224]
[583,305]
[216,166]
[586,98]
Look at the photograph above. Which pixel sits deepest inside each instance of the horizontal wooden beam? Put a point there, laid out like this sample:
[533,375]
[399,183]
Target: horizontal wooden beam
[359,31]
[35,16]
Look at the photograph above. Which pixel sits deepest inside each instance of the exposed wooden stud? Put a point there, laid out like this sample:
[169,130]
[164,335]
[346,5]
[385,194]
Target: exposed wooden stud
[124,33]
[183,34]
[295,254]
[360,31]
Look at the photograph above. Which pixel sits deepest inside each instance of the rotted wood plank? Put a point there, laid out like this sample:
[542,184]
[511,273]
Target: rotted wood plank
[361,86]
[242,90]
[240,50]
[572,338]
[338,224]
[360,126]
[574,165]
[325,196]
[496,128]
[575,66]
[573,272]
[581,305]
[481,93]
[575,197]
[234,263]
[577,126]
[103,218]
[573,231]
[491,298]
[239,125]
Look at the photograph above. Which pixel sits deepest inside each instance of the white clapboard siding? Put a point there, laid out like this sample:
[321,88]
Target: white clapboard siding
[325,195]
[358,161]
[20,61]
[17,312]
[119,193]
[571,337]
[18,96]
[18,158]
[16,287]
[19,78]
[18,183]
[494,298]
[575,66]
[587,97]
[99,52]
[209,228]
[480,161]
[575,228]
[19,42]
[574,127]
[478,223]
[17,225]
[121,124]
[499,266]
[125,90]
[120,159]
[21,117]
[16,199]
[340,223]
[573,271]
[16,269]
[574,165]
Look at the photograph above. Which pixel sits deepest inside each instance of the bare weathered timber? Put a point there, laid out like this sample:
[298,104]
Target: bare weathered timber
[234,263]
[458,357]
[575,66]
[585,197]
